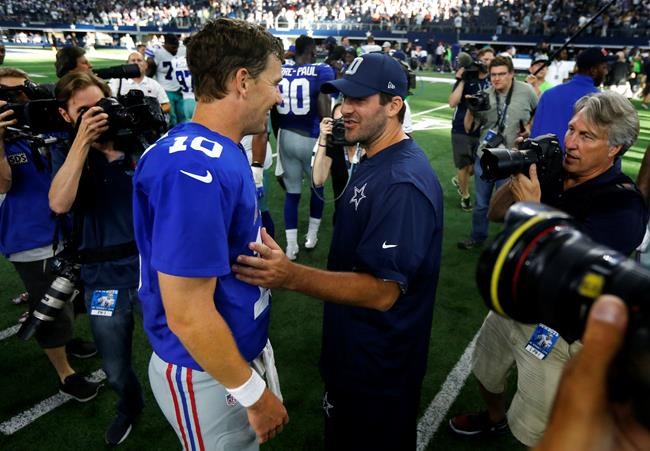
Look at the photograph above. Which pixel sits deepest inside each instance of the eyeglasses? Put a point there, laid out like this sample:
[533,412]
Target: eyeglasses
[499,75]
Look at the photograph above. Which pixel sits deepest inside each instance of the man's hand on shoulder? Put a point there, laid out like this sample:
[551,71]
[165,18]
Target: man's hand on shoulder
[267,416]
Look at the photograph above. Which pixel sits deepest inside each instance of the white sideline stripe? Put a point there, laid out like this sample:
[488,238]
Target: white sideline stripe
[419,113]
[47,405]
[9,332]
[437,410]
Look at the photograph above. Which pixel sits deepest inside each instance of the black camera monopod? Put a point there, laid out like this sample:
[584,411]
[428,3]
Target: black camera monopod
[574,36]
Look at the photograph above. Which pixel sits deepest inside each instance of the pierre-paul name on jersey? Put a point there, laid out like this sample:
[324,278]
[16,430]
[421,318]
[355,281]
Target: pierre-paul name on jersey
[301,71]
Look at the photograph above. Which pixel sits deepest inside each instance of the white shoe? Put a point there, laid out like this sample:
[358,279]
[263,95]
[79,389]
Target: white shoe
[292,252]
[311,240]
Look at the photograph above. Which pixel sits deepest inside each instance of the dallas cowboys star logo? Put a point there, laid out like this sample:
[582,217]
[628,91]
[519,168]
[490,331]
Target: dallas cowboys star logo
[358,196]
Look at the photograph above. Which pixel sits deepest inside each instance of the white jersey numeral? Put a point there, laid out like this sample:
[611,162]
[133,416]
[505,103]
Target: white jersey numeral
[295,96]
[211,148]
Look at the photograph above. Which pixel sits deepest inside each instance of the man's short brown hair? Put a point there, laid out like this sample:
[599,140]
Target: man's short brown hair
[76,81]
[222,47]
[13,72]
[502,61]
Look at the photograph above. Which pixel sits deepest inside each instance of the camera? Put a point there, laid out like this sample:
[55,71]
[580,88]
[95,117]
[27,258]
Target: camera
[36,116]
[62,290]
[544,151]
[472,67]
[133,115]
[337,137]
[543,269]
[478,102]
[32,91]
[122,71]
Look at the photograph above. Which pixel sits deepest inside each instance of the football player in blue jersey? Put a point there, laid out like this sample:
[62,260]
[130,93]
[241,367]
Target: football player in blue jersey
[195,211]
[299,115]
[382,272]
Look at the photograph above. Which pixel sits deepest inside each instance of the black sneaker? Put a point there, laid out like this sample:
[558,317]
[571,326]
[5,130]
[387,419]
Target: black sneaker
[118,430]
[470,244]
[81,349]
[466,203]
[472,424]
[79,388]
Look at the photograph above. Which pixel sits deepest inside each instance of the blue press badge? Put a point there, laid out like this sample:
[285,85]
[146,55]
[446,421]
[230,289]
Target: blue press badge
[489,136]
[103,302]
[542,341]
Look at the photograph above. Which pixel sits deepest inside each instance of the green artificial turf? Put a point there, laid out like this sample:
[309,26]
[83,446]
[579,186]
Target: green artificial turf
[27,378]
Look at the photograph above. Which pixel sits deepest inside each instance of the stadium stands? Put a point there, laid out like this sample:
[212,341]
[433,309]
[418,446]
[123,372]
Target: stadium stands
[513,17]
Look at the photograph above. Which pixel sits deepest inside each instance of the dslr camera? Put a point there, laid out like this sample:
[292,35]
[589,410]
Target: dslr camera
[544,151]
[337,137]
[543,269]
[478,102]
[132,116]
[39,115]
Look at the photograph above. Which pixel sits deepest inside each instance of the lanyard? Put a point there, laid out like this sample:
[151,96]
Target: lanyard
[501,114]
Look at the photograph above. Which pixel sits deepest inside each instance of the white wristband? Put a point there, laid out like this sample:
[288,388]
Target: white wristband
[250,391]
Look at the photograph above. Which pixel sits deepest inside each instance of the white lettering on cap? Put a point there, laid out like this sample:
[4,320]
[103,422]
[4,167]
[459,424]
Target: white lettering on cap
[354,66]
[391,85]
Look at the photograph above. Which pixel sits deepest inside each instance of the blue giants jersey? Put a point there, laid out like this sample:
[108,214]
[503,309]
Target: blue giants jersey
[300,88]
[194,211]
[26,221]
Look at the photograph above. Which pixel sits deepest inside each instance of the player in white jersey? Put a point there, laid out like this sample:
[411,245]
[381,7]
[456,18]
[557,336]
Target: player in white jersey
[161,63]
[184,78]
[149,86]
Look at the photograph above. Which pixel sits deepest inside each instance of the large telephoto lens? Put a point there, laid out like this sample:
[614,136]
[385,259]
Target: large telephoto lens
[543,269]
[498,164]
[48,308]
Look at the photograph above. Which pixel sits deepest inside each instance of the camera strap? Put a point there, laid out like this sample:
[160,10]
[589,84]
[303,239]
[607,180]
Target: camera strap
[501,114]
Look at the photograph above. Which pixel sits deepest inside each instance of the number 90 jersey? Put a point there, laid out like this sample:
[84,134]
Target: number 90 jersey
[300,88]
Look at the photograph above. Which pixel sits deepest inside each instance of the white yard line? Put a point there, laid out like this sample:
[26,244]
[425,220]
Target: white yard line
[9,332]
[437,410]
[29,416]
[420,113]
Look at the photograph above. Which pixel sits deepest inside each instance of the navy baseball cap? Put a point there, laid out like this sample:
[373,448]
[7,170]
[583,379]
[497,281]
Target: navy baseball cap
[370,74]
[591,57]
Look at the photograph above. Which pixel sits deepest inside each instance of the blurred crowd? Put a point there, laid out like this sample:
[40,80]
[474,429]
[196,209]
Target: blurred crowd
[547,17]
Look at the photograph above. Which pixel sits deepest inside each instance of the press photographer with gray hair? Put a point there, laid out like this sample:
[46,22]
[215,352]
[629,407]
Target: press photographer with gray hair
[610,210]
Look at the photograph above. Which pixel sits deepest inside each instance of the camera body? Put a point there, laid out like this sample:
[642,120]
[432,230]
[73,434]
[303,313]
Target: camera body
[337,137]
[478,102]
[40,114]
[134,114]
[543,269]
[544,151]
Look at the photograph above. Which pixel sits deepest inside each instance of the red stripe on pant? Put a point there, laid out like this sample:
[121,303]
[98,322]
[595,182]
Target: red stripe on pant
[195,415]
[176,409]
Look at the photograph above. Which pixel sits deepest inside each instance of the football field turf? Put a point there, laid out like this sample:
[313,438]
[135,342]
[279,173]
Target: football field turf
[28,383]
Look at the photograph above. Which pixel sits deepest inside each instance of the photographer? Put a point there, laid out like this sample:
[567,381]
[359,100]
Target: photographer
[512,105]
[26,233]
[333,157]
[149,86]
[611,211]
[464,144]
[94,181]
[71,59]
